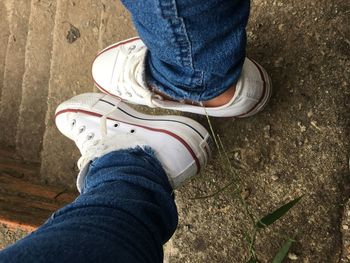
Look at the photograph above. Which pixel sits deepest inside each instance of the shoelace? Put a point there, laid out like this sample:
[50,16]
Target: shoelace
[130,81]
[100,146]
[103,122]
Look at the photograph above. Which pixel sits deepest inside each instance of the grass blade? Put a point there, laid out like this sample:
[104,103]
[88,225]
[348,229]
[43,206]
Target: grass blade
[252,260]
[277,214]
[283,252]
[216,192]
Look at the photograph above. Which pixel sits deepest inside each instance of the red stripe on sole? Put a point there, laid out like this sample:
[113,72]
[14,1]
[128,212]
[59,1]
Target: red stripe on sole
[184,143]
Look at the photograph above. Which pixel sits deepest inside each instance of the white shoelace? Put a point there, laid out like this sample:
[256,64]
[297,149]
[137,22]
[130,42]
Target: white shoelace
[96,148]
[131,80]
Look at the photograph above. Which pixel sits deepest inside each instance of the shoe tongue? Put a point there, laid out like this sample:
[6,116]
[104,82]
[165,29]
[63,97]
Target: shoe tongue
[141,87]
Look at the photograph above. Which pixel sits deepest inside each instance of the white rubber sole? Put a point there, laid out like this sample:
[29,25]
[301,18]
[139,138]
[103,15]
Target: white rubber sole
[188,132]
[266,96]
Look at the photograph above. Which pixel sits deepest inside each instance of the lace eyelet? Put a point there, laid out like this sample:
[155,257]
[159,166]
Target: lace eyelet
[131,48]
[132,131]
[116,125]
[73,123]
[90,136]
[82,129]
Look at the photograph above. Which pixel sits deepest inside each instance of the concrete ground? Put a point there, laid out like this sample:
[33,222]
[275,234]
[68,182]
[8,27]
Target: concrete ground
[298,146]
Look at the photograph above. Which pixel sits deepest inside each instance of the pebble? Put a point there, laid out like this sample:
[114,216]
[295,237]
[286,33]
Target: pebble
[302,127]
[267,129]
[292,256]
[345,227]
[187,227]
[314,124]
[278,62]
[245,193]
[348,251]
[275,177]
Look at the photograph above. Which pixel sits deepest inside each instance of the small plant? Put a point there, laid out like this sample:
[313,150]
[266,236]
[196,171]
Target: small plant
[257,224]
[265,222]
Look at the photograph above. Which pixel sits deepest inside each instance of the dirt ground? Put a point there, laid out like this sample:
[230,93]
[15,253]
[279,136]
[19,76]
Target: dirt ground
[9,236]
[298,146]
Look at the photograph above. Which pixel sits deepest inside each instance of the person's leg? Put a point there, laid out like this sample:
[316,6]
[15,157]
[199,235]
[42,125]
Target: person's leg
[125,213]
[190,55]
[130,164]
[196,48]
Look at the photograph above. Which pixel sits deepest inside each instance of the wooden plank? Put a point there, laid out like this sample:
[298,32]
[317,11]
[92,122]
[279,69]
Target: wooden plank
[16,185]
[26,205]
[9,163]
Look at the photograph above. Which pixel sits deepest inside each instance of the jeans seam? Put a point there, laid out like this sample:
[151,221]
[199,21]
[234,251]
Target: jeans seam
[177,26]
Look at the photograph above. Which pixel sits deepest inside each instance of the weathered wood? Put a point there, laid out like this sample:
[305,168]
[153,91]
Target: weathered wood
[9,163]
[14,184]
[27,205]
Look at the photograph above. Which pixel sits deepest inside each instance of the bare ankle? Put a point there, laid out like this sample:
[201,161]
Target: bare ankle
[222,99]
[218,101]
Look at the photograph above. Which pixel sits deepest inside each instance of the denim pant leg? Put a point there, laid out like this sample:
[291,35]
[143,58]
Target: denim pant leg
[196,47]
[125,213]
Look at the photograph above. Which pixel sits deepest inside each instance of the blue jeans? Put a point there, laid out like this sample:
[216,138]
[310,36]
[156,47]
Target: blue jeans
[125,213]
[197,47]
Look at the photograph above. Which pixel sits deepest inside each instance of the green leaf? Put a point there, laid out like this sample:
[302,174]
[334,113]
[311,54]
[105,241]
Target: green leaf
[252,260]
[283,252]
[277,214]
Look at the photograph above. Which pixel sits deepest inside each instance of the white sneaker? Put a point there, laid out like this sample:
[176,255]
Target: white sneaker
[100,124]
[119,70]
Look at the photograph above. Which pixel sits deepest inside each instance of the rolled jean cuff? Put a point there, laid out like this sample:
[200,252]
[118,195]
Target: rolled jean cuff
[183,83]
[133,165]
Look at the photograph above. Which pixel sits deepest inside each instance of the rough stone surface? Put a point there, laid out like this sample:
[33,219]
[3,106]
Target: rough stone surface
[346,233]
[8,236]
[4,36]
[13,72]
[98,27]
[298,146]
[70,75]
[115,24]
[31,123]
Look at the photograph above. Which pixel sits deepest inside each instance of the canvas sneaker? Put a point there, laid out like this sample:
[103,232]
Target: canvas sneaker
[119,70]
[100,123]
